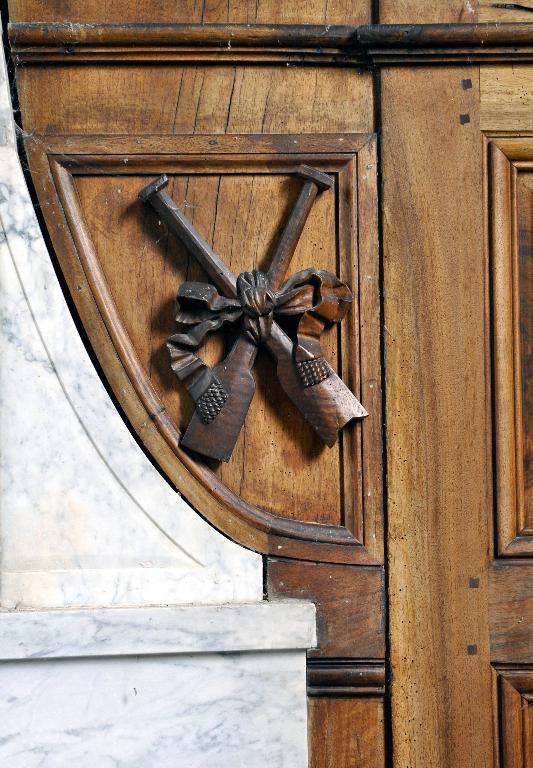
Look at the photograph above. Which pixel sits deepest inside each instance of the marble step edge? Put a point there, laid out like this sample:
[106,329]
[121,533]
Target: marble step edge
[68,633]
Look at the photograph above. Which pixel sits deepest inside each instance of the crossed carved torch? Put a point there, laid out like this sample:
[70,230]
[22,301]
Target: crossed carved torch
[223,394]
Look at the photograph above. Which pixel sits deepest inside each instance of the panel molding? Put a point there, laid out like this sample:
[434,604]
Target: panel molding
[515,689]
[368,44]
[508,157]
[55,162]
[345,677]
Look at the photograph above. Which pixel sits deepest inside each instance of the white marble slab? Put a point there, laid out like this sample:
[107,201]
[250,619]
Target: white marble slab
[201,711]
[86,520]
[144,631]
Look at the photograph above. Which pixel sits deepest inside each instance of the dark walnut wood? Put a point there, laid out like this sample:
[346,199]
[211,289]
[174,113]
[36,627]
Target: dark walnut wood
[315,298]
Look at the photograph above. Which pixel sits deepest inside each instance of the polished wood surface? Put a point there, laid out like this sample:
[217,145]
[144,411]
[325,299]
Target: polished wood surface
[439,119]
[346,733]
[438,419]
[132,268]
[511,194]
[516,702]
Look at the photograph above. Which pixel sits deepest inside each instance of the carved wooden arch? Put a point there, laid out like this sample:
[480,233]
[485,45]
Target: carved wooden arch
[59,166]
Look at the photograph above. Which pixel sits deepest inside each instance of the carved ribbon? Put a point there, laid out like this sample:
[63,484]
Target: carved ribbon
[316,296]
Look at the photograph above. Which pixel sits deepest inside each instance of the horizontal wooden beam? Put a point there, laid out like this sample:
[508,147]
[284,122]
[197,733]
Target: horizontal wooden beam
[373,44]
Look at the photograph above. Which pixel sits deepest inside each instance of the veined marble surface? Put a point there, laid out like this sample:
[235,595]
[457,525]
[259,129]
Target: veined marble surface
[86,520]
[134,631]
[199,711]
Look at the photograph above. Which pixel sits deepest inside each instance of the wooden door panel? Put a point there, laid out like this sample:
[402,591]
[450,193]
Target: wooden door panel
[511,190]
[511,609]
[298,480]
[132,268]
[516,706]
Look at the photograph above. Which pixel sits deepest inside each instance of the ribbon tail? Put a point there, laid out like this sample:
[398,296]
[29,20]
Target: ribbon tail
[203,386]
[311,365]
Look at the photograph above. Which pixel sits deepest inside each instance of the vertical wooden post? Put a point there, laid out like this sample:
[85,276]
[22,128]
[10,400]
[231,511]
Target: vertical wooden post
[437,416]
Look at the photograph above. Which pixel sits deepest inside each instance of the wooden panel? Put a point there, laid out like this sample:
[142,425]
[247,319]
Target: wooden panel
[345,733]
[422,12]
[132,271]
[349,600]
[513,12]
[171,99]
[511,611]
[207,11]
[437,419]
[506,98]
[516,703]
[524,205]
[511,191]
[296,476]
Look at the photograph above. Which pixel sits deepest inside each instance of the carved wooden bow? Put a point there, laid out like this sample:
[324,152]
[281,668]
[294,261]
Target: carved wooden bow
[223,394]
[315,296]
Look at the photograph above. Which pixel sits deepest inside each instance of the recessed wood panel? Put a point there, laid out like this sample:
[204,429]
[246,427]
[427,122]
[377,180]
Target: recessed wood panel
[237,190]
[516,713]
[511,611]
[240,214]
[511,194]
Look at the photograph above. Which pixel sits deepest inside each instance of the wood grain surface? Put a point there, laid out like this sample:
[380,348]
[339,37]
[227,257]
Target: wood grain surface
[346,733]
[437,419]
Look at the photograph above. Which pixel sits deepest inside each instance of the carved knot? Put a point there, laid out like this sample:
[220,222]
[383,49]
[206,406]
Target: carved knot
[257,301]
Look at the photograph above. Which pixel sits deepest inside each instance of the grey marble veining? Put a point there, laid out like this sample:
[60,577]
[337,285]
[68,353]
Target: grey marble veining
[85,517]
[201,711]
[157,630]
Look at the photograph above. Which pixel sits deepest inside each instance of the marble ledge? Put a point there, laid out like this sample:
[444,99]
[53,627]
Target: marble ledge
[264,626]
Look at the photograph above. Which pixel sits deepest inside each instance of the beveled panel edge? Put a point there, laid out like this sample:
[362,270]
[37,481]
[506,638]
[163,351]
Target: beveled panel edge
[257,529]
[37,42]
[505,157]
